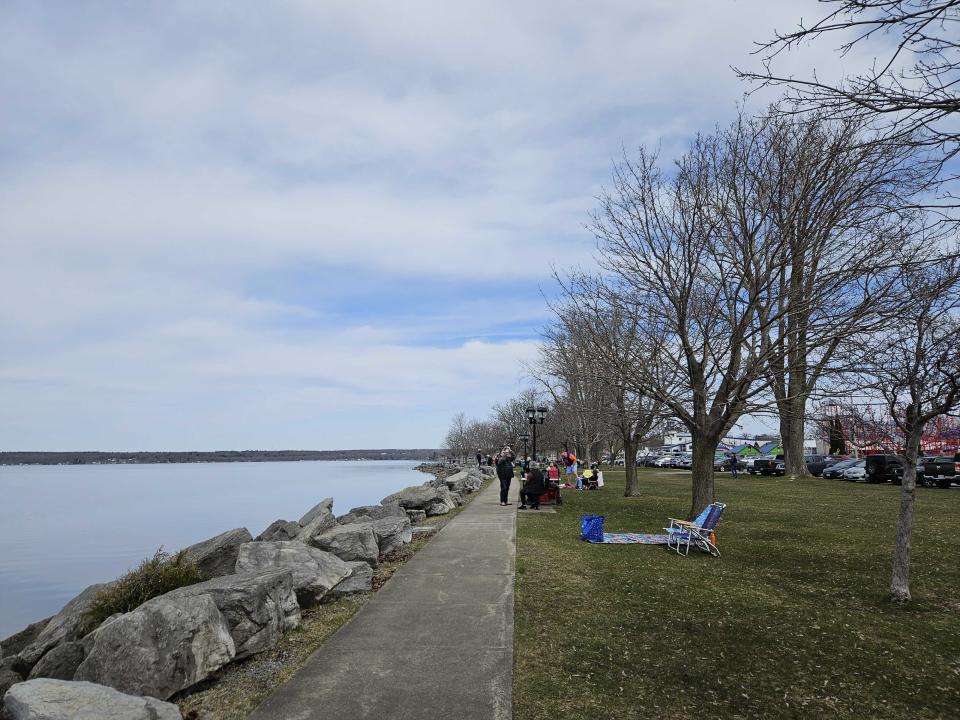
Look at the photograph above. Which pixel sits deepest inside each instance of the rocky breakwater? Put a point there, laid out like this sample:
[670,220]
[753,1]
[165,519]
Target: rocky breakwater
[132,663]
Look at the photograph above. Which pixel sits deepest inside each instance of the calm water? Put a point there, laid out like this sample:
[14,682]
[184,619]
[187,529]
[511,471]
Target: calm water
[63,527]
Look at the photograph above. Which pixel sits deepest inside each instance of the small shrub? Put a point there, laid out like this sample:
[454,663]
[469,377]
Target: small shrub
[153,577]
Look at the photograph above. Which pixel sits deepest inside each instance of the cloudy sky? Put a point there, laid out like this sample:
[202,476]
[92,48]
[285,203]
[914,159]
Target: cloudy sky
[316,224]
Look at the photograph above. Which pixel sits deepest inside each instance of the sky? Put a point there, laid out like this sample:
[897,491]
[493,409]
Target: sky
[318,225]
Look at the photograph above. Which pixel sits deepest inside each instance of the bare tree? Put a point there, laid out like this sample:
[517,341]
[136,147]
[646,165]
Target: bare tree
[910,93]
[838,198]
[457,440]
[915,369]
[613,347]
[691,258]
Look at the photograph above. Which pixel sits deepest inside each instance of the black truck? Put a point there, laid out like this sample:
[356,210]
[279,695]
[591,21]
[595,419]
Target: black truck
[767,465]
[942,470]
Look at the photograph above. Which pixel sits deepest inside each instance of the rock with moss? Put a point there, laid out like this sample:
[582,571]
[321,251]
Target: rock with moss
[218,555]
[259,606]
[314,571]
[63,700]
[164,646]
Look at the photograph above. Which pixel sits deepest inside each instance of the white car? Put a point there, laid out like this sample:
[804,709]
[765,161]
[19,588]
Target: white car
[857,471]
[664,461]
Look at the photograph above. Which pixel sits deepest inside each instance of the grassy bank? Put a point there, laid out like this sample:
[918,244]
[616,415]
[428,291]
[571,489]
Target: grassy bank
[792,621]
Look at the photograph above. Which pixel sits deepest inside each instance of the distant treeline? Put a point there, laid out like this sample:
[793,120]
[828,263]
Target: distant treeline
[109,458]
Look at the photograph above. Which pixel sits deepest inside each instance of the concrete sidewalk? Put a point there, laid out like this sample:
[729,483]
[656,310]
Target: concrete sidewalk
[435,642]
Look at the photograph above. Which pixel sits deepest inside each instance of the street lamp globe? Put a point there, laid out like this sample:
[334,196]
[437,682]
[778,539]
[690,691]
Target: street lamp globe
[531,414]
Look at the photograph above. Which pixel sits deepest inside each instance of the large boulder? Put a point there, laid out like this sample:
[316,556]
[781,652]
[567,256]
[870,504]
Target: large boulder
[18,641]
[63,700]
[416,516]
[324,507]
[61,663]
[432,500]
[68,624]
[391,533]
[280,530]
[10,677]
[259,606]
[218,555]
[314,572]
[464,482]
[371,512]
[356,541]
[360,580]
[423,531]
[318,520]
[164,646]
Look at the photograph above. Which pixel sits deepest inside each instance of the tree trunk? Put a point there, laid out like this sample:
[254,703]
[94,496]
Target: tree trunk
[900,578]
[704,449]
[792,431]
[632,488]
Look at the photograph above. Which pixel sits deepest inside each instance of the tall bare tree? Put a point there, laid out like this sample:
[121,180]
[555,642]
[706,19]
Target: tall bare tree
[689,255]
[838,198]
[914,367]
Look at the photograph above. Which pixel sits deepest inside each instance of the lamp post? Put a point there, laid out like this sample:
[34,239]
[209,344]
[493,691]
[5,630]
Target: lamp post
[524,438]
[536,416]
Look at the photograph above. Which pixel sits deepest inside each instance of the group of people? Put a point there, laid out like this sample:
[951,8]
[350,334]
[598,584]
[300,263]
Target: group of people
[536,482]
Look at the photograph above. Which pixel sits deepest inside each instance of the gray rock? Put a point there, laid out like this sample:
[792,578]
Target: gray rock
[280,530]
[218,555]
[18,641]
[321,520]
[259,606]
[360,580]
[391,533]
[371,512]
[60,663]
[9,678]
[464,482]
[432,500]
[63,700]
[164,646]
[315,572]
[324,507]
[350,542]
[68,624]
[416,516]
[423,531]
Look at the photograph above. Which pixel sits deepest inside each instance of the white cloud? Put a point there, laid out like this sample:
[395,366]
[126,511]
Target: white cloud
[161,160]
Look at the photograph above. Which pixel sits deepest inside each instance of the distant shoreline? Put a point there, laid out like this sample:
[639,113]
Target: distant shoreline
[141,458]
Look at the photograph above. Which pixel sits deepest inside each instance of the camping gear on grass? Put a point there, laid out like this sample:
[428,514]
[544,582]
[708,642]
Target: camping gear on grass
[591,528]
[699,531]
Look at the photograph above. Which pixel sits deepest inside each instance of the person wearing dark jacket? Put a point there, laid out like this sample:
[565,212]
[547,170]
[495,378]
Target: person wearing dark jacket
[533,488]
[505,473]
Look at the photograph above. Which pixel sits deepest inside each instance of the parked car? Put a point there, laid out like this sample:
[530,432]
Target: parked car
[884,468]
[746,462]
[765,465]
[816,464]
[780,467]
[721,463]
[663,461]
[685,462]
[856,471]
[942,470]
[835,471]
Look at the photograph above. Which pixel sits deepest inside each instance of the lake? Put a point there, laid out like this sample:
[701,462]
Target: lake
[63,527]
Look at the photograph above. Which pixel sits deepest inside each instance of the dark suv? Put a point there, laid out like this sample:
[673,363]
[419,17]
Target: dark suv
[884,468]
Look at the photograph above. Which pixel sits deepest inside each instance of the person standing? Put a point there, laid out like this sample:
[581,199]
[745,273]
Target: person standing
[734,465]
[479,458]
[505,473]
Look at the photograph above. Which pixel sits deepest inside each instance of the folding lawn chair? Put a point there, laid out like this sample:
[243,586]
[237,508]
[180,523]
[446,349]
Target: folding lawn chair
[698,531]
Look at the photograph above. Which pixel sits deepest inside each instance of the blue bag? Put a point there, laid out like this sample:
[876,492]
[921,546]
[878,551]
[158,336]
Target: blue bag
[591,528]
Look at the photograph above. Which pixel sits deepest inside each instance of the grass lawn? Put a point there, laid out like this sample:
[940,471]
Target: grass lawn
[792,621]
